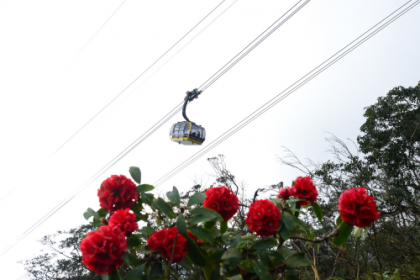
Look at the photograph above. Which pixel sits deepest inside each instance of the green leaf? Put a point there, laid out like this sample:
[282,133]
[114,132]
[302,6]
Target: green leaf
[135,273]
[241,244]
[210,225]
[205,211]
[113,276]
[292,277]
[155,270]
[223,227]
[164,207]
[317,210]
[216,256]
[231,253]
[96,222]
[181,225]
[234,241]
[284,232]
[173,196]
[236,277]
[196,198]
[199,219]
[301,224]
[261,271]
[203,234]
[131,260]
[249,237]
[343,234]
[357,232]
[204,215]
[195,253]
[298,260]
[187,262]
[135,174]
[102,212]
[91,213]
[338,221]
[147,230]
[287,220]
[292,200]
[285,252]
[133,241]
[265,243]
[145,188]
[276,256]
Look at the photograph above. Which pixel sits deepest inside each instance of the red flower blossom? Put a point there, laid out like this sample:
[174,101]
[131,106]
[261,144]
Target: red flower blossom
[284,193]
[263,217]
[222,200]
[357,208]
[192,236]
[102,249]
[117,192]
[163,241]
[304,188]
[124,220]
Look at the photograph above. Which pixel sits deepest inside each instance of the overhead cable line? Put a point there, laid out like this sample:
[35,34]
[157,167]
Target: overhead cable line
[138,77]
[97,32]
[149,132]
[145,135]
[164,119]
[295,86]
[178,107]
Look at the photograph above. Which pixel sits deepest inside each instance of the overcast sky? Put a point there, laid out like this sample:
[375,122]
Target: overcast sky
[50,88]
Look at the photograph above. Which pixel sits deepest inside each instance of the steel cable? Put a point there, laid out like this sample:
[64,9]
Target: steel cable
[281,97]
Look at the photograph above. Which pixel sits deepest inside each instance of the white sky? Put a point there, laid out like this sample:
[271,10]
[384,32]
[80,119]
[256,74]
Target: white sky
[47,94]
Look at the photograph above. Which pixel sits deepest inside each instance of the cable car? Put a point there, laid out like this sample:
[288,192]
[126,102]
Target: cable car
[187,132]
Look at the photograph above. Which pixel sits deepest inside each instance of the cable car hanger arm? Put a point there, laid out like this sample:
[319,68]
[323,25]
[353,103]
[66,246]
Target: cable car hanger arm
[191,95]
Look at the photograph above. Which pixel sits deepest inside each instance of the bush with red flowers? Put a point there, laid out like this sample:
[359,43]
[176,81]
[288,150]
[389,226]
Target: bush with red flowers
[124,220]
[171,244]
[171,227]
[305,189]
[263,217]
[117,192]
[102,249]
[222,200]
[357,208]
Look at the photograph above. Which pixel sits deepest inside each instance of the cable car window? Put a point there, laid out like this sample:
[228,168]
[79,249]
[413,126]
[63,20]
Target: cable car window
[181,130]
[204,134]
[193,131]
[199,133]
[186,130]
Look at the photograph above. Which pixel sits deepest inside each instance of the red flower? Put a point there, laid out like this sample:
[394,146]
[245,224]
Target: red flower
[357,208]
[263,217]
[222,200]
[117,192]
[163,241]
[304,188]
[102,249]
[284,193]
[192,236]
[124,220]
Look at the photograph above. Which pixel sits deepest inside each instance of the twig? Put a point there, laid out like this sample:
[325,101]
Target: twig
[325,238]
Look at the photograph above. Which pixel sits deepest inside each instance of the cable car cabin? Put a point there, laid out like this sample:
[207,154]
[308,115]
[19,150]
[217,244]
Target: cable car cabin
[187,133]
